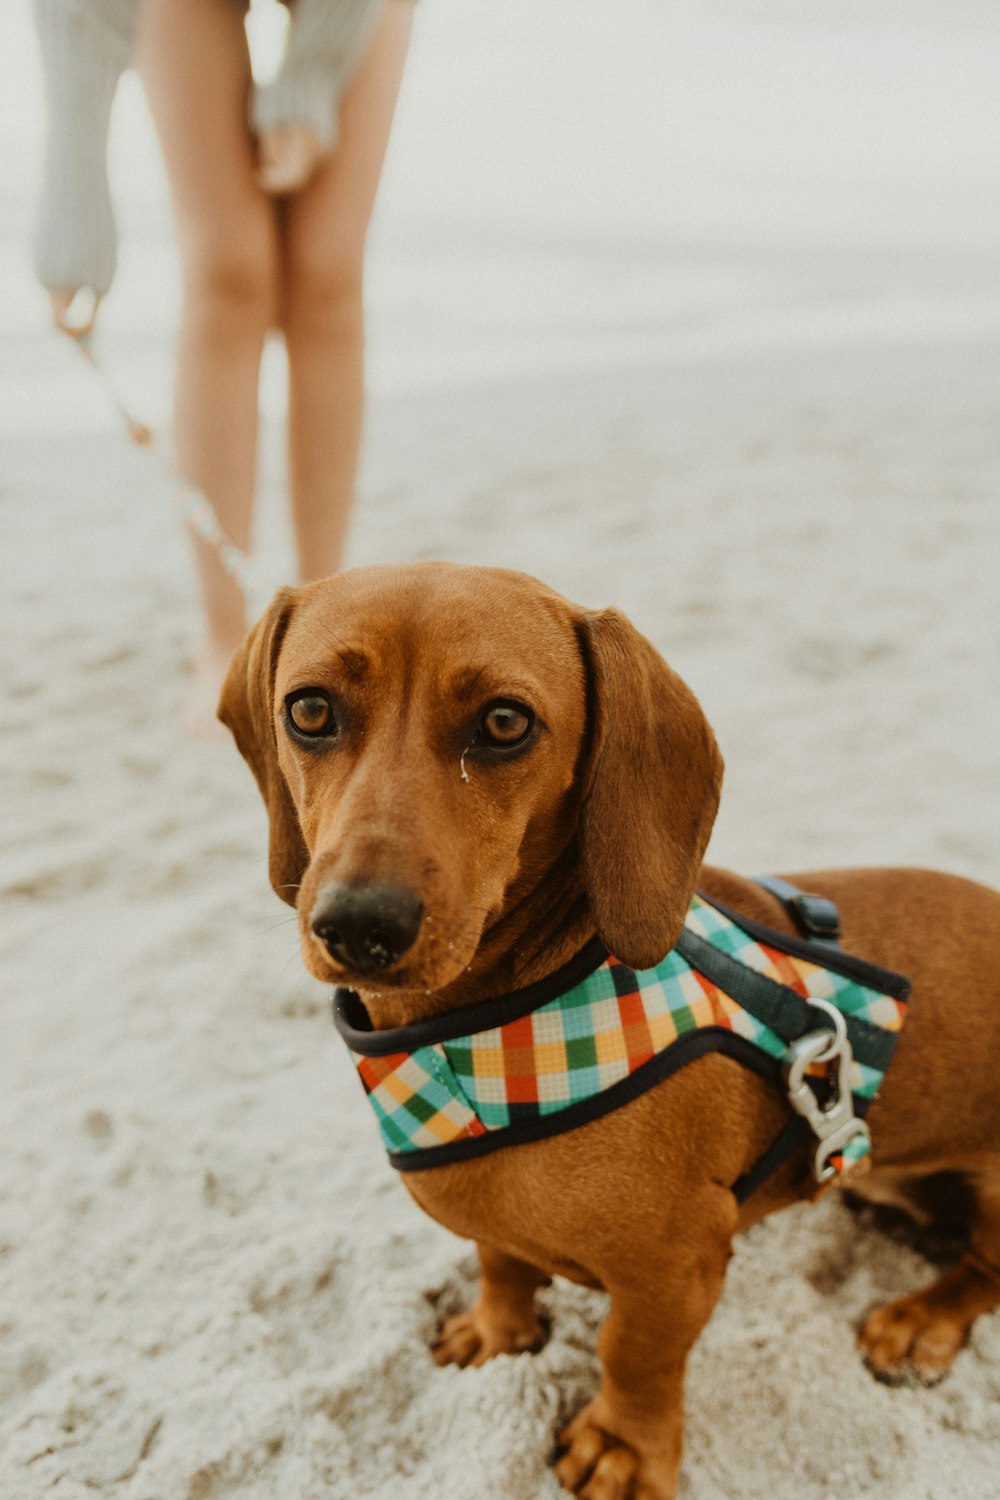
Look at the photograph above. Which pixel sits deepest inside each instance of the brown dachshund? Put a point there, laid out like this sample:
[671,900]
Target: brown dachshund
[467,777]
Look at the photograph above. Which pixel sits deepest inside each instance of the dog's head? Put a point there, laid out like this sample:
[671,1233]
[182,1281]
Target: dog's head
[431,739]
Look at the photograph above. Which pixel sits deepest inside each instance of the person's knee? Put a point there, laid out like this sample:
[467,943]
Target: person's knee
[234,278]
[323,285]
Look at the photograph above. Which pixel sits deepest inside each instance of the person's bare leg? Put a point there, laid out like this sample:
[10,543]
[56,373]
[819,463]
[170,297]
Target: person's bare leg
[195,68]
[325,227]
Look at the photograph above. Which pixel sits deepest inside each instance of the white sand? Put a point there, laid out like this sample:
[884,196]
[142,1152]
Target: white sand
[779,451]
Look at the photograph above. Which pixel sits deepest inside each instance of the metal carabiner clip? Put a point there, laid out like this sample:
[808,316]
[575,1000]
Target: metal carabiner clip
[834,1124]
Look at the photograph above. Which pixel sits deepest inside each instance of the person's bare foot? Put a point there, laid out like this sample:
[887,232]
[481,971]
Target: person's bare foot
[287,157]
[197,712]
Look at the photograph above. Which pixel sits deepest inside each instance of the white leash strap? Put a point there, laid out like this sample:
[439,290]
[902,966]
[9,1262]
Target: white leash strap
[195,507]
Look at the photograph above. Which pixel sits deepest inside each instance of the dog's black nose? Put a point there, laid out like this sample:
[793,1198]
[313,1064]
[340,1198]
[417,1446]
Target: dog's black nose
[366,927]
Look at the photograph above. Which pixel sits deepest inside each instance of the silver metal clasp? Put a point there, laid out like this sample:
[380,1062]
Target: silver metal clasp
[834,1124]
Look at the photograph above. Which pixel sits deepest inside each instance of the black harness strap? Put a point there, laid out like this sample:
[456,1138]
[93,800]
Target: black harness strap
[784,1011]
[777,1005]
[792,1136]
[815,917]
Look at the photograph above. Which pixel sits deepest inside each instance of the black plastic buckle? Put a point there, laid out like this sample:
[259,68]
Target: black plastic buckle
[815,916]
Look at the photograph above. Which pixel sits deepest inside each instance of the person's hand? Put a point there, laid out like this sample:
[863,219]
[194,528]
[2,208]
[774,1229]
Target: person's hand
[287,157]
[74,312]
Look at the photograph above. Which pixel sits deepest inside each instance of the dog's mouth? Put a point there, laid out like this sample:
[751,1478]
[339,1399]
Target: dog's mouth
[371,976]
[374,961]
[374,967]
[401,978]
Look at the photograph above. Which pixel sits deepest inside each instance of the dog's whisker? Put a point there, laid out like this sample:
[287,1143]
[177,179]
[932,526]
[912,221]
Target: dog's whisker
[275,927]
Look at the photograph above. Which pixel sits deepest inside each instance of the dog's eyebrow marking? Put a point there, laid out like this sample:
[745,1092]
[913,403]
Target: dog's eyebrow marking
[465,685]
[354,663]
[470,684]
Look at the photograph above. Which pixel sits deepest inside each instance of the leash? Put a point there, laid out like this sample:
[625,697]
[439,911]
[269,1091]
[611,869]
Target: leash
[194,506]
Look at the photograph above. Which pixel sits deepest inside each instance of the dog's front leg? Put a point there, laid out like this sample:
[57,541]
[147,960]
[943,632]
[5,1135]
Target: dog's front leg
[503,1320]
[627,1441]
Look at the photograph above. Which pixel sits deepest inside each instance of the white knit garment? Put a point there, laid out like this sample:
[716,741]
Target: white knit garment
[325,44]
[86,45]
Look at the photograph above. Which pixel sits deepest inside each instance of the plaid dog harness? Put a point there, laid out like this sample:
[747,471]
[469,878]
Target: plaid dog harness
[595,1034]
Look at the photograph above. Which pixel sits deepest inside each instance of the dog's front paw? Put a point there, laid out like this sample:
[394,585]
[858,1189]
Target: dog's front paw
[471,1338]
[594,1465]
[918,1335]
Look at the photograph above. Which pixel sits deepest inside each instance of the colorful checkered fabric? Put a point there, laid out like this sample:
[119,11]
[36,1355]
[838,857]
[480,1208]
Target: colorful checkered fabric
[599,1032]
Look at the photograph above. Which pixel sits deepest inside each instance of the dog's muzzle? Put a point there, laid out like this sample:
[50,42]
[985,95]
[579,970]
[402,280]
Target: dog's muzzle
[366,927]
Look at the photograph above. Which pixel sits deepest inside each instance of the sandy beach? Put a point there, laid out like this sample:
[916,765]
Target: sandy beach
[742,383]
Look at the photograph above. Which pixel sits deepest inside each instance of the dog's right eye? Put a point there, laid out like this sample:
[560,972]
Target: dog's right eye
[311,715]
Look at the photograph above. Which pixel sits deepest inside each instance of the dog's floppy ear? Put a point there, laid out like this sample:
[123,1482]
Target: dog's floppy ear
[246,707]
[651,786]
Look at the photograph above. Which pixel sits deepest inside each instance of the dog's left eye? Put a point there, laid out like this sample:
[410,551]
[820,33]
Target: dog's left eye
[310,713]
[505,725]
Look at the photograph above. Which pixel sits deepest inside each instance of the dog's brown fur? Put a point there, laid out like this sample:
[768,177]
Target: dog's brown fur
[600,824]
